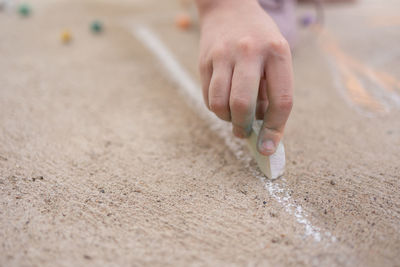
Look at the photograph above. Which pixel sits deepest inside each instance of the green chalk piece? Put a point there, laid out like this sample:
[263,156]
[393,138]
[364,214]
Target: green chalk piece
[96,26]
[24,10]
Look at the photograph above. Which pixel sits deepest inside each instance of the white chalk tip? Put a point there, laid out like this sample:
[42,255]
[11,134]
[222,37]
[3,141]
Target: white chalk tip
[271,166]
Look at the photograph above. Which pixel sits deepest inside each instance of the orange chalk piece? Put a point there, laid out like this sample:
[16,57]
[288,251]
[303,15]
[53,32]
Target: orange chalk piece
[183,21]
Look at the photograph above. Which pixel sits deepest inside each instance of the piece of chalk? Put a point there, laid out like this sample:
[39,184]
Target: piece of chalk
[66,36]
[183,21]
[272,166]
[96,26]
[307,20]
[24,10]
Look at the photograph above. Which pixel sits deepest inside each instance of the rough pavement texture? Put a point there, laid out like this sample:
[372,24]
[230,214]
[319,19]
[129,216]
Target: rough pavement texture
[102,162]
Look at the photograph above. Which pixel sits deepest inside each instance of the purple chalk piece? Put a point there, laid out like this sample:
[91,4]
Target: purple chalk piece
[307,20]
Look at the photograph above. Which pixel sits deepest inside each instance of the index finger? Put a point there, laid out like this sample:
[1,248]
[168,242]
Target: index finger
[279,75]
[243,98]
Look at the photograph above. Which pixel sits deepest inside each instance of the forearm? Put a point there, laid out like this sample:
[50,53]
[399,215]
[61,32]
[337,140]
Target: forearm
[207,6]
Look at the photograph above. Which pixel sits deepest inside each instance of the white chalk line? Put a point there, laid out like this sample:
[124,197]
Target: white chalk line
[194,96]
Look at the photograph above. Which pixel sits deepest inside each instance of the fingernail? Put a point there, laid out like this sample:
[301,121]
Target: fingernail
[268,146]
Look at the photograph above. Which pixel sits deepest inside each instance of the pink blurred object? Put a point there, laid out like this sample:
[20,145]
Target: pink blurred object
[283,13]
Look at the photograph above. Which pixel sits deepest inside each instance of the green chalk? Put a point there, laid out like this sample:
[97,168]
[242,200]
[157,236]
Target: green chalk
[24,10]
[96,26]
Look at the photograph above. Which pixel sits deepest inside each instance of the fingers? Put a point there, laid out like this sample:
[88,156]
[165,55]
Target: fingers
[243,98]
[279,76]
[219,91]
[238,93]
[262,100]
[205,68]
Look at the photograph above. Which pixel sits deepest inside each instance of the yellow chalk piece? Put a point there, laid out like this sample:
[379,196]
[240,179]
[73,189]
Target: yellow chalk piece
[273,166]
[66,37]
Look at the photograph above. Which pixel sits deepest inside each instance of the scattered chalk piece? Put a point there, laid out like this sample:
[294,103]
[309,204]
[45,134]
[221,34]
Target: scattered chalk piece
[66,37]
[183,21]
[96,26]
[307,20]
[24,10]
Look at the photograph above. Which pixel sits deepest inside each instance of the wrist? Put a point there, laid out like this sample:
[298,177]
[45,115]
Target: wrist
[208,7]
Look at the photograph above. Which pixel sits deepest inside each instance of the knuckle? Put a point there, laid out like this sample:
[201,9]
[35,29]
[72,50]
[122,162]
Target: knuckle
[279,47]
[241,105]
[218,85]
[218,105]
[247,45]
[203,66]
[285,103]
[219,51]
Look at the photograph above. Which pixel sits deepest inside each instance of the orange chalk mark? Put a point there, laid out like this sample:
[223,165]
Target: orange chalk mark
[391,82]
[360,96]
[350,67]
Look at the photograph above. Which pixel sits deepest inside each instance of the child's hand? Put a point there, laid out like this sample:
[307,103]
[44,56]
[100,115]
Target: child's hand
[246,68]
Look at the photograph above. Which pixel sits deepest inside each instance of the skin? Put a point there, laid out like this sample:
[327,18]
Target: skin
[246,68]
